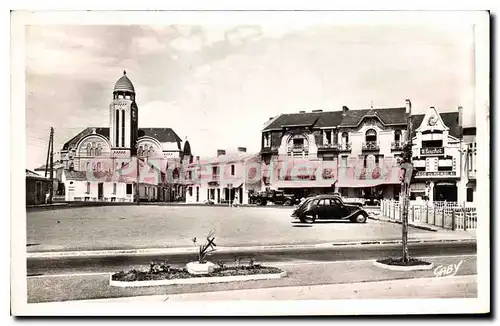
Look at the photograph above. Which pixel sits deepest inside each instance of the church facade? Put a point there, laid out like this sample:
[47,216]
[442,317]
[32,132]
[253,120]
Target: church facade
[122,162]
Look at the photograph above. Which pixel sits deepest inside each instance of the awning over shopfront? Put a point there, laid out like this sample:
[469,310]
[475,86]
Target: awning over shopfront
[356,175]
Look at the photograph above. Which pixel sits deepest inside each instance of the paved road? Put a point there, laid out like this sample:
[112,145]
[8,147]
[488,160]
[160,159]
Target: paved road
[65,265]
[48,288]
[129,227]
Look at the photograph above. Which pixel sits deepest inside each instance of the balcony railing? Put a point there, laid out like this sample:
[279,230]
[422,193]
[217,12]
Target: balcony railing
[344,147]
[396,146]
[329,146]
[370,146]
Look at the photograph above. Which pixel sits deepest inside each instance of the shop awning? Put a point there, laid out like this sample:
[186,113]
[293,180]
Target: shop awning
[363,183]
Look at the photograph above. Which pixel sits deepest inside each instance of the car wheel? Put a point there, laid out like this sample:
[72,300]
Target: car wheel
[288,202]
[258,202]
[360,218]
[309,218]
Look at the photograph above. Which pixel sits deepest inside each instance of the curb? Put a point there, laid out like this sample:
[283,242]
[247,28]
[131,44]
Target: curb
[417,226]
[404,268]
[227,250]
[198,280]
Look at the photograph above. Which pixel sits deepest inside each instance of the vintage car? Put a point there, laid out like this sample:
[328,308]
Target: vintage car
[328,207]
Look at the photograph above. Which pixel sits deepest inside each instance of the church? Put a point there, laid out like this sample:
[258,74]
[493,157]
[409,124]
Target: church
[122,162]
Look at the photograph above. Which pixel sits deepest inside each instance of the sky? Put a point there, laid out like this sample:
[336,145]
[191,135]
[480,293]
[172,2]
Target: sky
[218,84]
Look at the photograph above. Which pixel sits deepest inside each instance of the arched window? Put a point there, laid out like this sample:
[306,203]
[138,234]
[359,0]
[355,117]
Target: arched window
[397,136]
[98,166]
[345,137]
[88,166]
[93,167]
[140,151]
[99,150]
[371,135]
[88,149]
[151,151]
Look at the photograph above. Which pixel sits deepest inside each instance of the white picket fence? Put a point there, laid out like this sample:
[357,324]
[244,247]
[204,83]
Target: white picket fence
[447,215]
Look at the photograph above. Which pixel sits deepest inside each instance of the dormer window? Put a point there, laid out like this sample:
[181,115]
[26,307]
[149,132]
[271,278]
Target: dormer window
[371,135]
[267,142]
[345,138]
[328,137]
[397,136]
[298,143]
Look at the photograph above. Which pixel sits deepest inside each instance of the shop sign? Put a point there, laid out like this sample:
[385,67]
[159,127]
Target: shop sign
[437,174]
[445,184]
[432,151]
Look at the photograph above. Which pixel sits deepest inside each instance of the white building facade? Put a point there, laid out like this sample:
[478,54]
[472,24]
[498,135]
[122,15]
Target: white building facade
[223,178]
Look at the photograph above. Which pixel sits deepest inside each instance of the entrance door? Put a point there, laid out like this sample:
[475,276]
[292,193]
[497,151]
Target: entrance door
[218,195]
[100,190]
[240,195]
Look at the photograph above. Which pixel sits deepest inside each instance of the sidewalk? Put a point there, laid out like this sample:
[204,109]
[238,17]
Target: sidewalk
[464,286]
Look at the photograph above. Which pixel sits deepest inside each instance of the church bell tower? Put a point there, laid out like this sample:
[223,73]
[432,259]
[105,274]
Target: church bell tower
[123,116]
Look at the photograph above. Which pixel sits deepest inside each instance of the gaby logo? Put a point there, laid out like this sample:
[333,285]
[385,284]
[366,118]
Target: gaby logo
[447,270]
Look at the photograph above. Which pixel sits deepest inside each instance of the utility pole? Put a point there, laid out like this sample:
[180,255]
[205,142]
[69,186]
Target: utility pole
[51,146]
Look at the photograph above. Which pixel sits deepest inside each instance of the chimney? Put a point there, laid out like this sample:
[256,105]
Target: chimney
[408,107]
[242,149]
[344,110]
[460,120]
[314,111]
[302,111]
[221,152]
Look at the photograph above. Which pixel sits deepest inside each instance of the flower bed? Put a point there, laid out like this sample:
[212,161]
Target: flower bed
[400,262]
[182,273]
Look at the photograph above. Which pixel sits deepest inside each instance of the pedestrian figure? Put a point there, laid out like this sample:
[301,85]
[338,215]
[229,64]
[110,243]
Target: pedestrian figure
[47,197]
[235,201]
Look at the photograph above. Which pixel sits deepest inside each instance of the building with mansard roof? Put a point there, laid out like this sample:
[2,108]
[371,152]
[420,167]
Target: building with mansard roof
[106,163]
[355,152]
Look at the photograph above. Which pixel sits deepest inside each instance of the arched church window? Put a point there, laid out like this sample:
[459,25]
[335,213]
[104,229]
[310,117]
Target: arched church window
[151,151]
[140,152]
[99,150]
[93,167]
[98,166]
[88,149]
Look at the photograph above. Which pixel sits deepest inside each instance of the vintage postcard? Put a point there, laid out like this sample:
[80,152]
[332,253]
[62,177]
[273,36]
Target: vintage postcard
[250,163]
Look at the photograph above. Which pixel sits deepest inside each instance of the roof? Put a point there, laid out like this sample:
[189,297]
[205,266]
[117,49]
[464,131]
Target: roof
[450,119]
[32,175]
[85,132]
[294,119]
[336,118]
[124,84]
[387,116]
[163,135]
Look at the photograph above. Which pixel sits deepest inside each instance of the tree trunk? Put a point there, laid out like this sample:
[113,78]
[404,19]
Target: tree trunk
[404,222]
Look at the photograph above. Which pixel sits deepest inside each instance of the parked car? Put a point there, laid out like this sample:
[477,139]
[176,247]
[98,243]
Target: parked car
[328,207]
[274,196]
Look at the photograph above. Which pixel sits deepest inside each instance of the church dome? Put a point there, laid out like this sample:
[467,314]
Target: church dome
[124,84]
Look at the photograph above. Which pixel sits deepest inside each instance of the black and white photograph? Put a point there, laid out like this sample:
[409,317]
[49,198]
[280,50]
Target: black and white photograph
[250,163]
